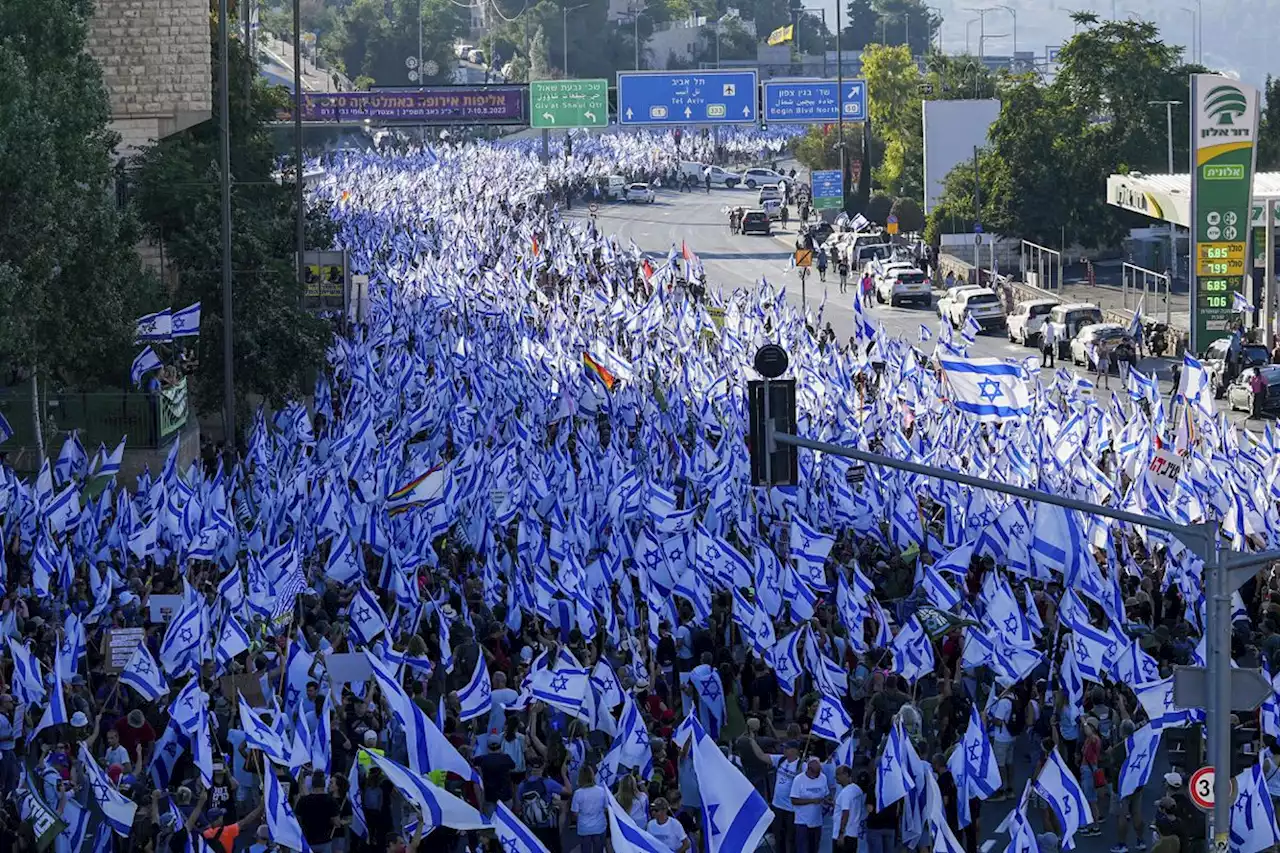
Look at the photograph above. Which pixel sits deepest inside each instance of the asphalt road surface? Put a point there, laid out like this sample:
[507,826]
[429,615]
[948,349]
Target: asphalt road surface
[738,261]
[731,261]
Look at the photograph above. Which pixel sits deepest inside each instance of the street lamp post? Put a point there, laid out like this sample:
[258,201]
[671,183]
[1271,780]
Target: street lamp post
[1014,12]
[564,11]
[982,43]
[982,27]
[937,9]
[1168,118]
[1195,21]
[968,35]
[822,12]
[844,195]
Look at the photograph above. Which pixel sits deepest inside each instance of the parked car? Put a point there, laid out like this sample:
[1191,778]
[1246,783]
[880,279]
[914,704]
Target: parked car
[615,186]
[757,222]
[1069,319]
[1027,318]
[980,303]
[641,193]
[951,295]
[1240,397]
[1111,338]
[720,177]
[901,281]
[759,177]
[769,192]
[773,207]
[1214,360]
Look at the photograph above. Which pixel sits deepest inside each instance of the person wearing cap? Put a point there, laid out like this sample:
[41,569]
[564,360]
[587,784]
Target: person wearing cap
[1048,842]
[789,767]
[369,740]
[495,767]
[220,834]
[538,804]
[136,736]
[666,829]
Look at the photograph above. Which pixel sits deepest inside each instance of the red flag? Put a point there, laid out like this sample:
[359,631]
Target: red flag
[684,250]
[535,244]
[647,269]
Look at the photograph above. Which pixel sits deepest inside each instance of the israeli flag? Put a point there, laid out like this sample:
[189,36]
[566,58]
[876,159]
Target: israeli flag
[259,735]
[893,782]
[6,431]
[186,323]
[625,836]
[809,550]
[358,824]
[154,327]
[734,814]
[367,619]
[117,809]
[438,806]
[1140,756]
[925,334]
[831,721]
[1240,305]
[565,688]
[145,362]
[233,640]
[285,830]
[55,713]
[28,680]
[785,659]
[988,388]
[1253,816]
[1057,785]
[143,674]
[475,697]
[513,835]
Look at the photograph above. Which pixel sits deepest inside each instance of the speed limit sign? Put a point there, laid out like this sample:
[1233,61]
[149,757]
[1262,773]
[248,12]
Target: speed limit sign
[1202,788]
[593,207]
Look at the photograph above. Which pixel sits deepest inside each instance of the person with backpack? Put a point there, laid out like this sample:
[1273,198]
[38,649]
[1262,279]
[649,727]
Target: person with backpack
[538,802]
[822,265]
[221,836]
[998,719]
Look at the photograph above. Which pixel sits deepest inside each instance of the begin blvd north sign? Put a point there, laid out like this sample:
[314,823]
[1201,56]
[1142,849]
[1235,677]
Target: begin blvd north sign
[568,103]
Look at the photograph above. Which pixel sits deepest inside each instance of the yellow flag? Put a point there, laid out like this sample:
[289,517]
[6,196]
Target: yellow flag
[782,35]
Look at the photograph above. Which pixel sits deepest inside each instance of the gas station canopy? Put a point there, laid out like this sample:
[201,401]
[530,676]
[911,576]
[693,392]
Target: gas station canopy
[1168,197]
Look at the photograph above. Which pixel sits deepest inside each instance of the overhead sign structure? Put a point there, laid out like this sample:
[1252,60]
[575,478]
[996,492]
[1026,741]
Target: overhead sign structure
[828,193]
[814,101]
[1224,133]
[568,103]
[701,97]
[429,105]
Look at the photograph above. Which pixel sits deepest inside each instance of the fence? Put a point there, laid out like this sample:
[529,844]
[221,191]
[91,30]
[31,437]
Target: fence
[102,417]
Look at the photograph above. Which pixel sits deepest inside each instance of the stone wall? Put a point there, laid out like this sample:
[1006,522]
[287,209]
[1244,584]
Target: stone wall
[155,58]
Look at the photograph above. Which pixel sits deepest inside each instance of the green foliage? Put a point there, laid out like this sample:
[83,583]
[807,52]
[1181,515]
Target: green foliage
[959,77]
[819,148]
[878,208]
[71,283]
[910,214]
[893,92]
[277,344]
[1053,145]
[889,22]
[597,48]
[373,38]
[1269,128]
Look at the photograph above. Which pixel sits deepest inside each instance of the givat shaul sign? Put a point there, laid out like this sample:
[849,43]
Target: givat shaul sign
[1224,130]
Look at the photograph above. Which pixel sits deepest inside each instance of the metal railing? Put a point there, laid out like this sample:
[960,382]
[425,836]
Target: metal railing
[1145,285]
[1041,266]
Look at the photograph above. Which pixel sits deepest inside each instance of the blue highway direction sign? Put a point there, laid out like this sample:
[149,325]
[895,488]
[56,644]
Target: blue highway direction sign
[827,191]
[813,101]
[690,97]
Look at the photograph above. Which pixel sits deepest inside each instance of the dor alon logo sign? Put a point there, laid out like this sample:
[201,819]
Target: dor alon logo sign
[1225,113]
[1225,104]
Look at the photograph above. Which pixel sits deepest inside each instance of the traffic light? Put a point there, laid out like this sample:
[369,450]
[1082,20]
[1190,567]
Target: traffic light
[772,401]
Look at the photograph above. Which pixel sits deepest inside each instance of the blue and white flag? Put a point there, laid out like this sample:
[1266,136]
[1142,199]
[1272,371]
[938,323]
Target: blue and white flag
[831,721]
[438,806]
[973,764]
[259,735]
[154,327]
[427,746]
[6,431]
[285,830]
[785,659]
[367,618]
[988,388]
[625,836]
[233,640]
[28,680]
[55,713]
[1060,789]
[356,798]
[564,688]
[734,815]
[1140,756]
[145,362]
[1253,816]
[1240,304]
[476,697]
[893,781]
[186,323]
[512,834]
[117,809]
[809,550]
[143,674]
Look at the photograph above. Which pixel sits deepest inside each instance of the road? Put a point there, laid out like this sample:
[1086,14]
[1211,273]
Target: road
[735,261]
[700,220]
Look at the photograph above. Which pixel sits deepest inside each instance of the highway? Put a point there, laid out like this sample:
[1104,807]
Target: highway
[737,261]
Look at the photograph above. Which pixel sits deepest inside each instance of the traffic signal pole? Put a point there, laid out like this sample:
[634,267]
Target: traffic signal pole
[1224,572]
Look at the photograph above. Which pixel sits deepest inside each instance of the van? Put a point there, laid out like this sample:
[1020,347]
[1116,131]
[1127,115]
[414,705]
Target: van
[615,186]
[868,253]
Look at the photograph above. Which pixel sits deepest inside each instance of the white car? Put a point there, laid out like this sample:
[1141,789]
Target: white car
[641,193]
[759,177]
[980,303]
[1027,318]
[769,192]
[1067,320]
[773,207]
[949,298]
[1111,338]
[899,282]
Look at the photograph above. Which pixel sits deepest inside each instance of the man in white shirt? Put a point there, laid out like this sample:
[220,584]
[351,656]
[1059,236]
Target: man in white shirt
[666,830]
[1001,738]
[1048,343]
[788,769]
[808,793]
[851,812]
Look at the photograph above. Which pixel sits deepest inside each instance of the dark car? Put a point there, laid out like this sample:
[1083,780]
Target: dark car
[1239,395]
[820,231]
[756,222]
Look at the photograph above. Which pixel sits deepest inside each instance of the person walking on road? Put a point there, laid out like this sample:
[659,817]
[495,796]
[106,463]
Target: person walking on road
[1102,366]
[706,179]
[843,266]
[786,215]
[1048,343]
[822,264]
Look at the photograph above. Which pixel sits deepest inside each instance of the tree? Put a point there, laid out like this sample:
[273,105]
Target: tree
[893,102]
[910,215]
[878,207]
[1269,128]
[71,282]
[277,344]
[374,38]
[889,22]
[819,149]
[861,25]
[959,77]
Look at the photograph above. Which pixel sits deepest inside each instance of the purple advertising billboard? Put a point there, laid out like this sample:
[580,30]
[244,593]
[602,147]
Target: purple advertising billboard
[438,105]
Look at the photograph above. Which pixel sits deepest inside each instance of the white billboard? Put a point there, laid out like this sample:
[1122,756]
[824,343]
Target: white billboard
[952,129]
